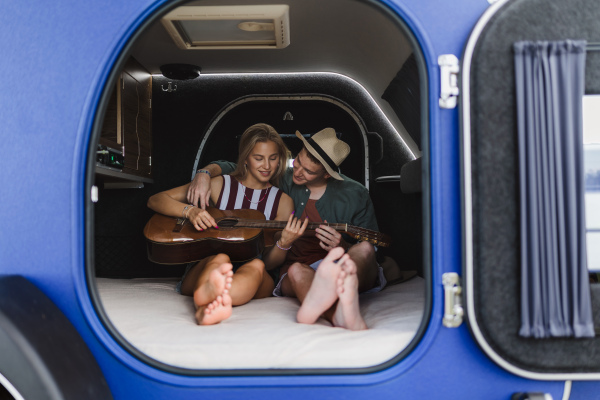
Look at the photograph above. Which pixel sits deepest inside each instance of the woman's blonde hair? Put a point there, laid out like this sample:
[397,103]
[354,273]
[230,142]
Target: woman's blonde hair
[261,133]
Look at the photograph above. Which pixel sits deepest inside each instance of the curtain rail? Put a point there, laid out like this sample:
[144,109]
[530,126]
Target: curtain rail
[593,46]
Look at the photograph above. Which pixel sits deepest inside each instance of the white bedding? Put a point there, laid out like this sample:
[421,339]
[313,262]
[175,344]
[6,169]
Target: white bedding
[261,334]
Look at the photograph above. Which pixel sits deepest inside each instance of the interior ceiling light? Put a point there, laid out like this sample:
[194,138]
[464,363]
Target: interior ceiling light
[229,27]
[256,26]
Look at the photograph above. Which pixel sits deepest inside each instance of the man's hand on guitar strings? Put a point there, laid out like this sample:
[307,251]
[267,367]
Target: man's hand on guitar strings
[201,219]
[329,237]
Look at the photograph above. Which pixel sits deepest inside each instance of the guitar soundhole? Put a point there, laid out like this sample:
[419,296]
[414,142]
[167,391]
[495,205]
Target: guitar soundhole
[227,223]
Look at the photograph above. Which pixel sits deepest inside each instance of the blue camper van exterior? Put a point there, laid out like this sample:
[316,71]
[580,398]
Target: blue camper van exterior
[57,58]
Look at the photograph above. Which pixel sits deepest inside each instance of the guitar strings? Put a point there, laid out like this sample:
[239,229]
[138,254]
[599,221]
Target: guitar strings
[352,230]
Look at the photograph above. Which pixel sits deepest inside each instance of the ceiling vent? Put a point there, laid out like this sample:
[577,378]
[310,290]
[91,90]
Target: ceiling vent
[229,27]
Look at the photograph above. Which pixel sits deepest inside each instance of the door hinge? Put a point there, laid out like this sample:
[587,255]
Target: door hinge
[448,80]
[453,311]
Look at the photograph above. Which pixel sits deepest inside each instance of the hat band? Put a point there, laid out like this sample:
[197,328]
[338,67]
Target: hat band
[323,155]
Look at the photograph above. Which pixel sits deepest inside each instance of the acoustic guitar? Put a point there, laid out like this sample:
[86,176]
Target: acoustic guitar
[242,234]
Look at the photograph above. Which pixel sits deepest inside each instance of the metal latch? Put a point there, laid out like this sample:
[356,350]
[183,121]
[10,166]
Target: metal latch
[448,80]
[453,311]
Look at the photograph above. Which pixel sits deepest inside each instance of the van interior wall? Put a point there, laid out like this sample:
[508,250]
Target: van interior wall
[495,178]
[180,120]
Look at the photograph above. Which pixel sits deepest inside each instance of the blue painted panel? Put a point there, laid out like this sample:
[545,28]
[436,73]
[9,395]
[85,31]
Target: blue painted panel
[56,59]
[585,391]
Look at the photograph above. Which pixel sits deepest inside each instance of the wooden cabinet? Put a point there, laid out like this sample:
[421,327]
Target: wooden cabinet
[127,124]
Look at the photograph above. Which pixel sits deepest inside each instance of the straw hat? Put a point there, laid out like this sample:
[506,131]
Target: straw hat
[328,149]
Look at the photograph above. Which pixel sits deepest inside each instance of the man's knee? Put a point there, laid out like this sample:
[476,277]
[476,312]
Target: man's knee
[364,249]
[298,272]
[298,280]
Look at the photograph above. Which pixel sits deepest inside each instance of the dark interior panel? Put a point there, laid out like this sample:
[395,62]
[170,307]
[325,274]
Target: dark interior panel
[181,119]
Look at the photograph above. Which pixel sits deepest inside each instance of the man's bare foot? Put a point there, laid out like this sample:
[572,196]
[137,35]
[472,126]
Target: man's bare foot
[218,310]
[347,313]
[216,283]
[323,290]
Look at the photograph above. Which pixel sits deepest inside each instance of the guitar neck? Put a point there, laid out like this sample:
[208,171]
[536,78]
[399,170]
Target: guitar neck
[362,234]
[280,225]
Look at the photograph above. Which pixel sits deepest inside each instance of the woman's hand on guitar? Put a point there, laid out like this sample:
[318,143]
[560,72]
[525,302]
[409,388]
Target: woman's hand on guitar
[293,230]
[329,238]
[201,219]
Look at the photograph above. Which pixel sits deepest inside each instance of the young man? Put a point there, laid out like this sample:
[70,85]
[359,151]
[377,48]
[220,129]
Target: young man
[317,272]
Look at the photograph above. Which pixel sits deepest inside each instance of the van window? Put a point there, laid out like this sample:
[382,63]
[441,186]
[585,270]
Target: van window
[171,111]
[591,147]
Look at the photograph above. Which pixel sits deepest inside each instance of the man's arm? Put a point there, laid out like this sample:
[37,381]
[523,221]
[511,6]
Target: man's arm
[199,190]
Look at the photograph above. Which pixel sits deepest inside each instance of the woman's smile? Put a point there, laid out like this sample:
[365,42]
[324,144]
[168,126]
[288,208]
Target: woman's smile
[262,163]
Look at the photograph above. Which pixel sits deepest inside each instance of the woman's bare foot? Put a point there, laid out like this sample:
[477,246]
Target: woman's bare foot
[216,283]
[218,310]
[323,290]
[347,313]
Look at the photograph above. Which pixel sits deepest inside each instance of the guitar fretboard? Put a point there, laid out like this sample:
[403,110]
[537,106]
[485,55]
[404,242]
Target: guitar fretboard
[264,224]
[362,234]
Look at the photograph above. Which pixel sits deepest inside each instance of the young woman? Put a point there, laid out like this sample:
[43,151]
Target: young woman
[215,284]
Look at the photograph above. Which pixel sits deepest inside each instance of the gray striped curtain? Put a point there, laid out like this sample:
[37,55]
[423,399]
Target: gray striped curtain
[555,293]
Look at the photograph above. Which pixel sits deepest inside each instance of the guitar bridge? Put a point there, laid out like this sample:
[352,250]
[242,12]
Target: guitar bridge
[179,224]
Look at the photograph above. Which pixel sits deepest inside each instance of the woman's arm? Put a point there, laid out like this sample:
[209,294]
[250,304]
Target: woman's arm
[170,202]
[173,202]
[275,255]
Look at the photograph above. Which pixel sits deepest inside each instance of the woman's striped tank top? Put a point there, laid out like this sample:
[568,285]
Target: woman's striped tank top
[235,196]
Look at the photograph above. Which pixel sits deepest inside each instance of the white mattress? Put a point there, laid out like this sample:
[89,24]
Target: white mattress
[261,334]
